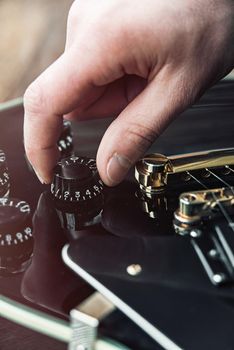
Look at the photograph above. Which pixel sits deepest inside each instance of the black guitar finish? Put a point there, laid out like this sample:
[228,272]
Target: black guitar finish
[170,297]
[171,294]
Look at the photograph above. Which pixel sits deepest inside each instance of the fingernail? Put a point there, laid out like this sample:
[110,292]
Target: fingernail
[39,178]
[117,168]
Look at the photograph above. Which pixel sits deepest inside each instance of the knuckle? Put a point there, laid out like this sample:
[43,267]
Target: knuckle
[141,136]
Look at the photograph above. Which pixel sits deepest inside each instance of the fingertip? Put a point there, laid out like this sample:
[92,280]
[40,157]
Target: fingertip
[44,178]
[114,170]
[43,163]
[117,168]
[42,181]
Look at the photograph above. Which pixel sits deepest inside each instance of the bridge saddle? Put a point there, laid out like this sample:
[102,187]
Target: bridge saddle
[212,240]
[214,245]
[200,205]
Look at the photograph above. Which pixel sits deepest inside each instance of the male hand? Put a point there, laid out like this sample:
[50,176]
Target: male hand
[142,61]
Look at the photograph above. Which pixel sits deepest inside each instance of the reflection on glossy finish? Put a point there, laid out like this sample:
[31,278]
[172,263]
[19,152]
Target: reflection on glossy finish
[16,241]
[167,285]
[65,142]
[47,281]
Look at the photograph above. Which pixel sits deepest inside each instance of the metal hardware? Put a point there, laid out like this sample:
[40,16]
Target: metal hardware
[85,320]
[155,205]
[134,269]
[153,171]
[199,205]
[215,255]
[212,247]
[50,326]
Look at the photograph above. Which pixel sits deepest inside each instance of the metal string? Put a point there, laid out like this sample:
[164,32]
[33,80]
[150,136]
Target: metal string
[221,180]
[222,209]
[228,167]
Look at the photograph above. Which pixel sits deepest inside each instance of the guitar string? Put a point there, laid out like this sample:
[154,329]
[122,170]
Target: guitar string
[228,167]
[222,209]
[221,180]
[225,183]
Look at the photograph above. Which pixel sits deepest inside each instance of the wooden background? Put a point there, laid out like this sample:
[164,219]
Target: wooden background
[32,35]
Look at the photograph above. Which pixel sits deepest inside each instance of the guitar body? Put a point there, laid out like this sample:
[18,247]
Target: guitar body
[131,255]
[151,274]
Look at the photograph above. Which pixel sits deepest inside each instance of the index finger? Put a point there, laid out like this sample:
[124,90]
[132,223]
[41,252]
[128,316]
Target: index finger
[57,91]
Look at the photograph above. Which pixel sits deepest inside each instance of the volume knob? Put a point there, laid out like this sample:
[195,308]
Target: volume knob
[4,176]
[78,191]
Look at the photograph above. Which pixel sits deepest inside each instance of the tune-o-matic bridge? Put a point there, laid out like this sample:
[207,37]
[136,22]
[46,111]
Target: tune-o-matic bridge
[196,206]
[155,171]
[206,218]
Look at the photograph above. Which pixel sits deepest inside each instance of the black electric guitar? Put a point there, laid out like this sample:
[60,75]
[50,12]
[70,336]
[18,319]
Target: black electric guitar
[159,248]
[163,251]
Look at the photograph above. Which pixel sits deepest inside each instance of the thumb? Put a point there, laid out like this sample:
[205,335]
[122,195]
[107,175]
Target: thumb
[138,125]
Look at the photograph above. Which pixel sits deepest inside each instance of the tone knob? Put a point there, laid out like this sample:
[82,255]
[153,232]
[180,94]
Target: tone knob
[78,191]
[65,144]
[16,241]
[4,176]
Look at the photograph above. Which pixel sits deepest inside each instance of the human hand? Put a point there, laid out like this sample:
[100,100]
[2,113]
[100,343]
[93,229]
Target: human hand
[144,62]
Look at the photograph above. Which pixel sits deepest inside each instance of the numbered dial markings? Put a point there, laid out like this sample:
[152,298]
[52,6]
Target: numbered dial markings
[4,178]
[77,196]
[14,222]
[22,206]
[76,180]
[2,157]
[15,238]
[4,175]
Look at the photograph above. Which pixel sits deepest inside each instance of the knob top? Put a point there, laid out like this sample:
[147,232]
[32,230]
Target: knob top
[14,214]
[76,179]
[74,171]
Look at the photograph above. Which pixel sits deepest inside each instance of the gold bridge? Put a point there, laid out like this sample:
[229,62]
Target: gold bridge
[213,245]
[199,205]
[154,171]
